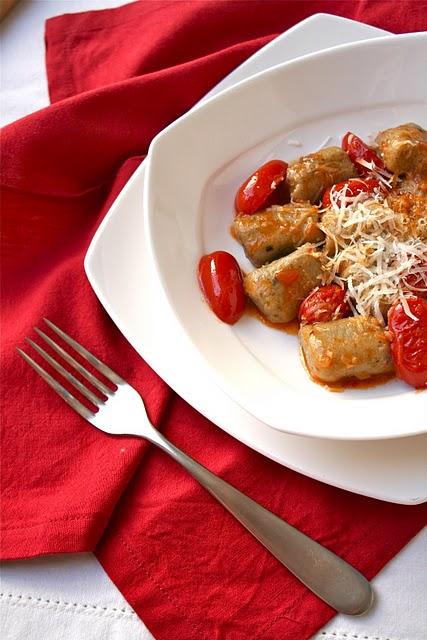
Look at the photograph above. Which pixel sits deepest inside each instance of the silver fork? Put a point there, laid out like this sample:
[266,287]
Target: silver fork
[331,578]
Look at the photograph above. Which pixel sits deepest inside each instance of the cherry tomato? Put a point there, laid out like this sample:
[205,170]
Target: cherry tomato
[353,187]
[260,186]
[358,150]
[221,282]
[409,341]
[324,304]
[417,281]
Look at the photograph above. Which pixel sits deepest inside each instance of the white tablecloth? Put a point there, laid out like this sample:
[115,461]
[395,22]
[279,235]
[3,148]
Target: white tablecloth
[71,597]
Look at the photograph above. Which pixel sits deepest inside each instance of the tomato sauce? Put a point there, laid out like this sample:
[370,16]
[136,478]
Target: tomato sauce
[290,328]
[355,383]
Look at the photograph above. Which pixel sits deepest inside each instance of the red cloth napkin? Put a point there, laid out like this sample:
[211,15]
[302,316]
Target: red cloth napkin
[188,568]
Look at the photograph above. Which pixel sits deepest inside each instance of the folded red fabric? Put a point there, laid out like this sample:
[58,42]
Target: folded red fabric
[116,78]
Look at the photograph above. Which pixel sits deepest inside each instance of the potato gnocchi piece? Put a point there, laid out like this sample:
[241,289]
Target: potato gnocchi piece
[352,347]
[404,148]
[310,176]
[277,289]
[277,231]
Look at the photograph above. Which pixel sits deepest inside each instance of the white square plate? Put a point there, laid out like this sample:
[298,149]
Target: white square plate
[194,167]
[126,285]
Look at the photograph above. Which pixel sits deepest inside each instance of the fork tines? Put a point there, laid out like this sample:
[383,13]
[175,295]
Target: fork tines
[93,398]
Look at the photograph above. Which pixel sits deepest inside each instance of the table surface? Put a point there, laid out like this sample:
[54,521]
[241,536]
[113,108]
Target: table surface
[55,597]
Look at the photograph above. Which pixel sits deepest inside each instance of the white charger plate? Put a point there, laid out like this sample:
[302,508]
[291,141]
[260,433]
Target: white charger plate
[206,154]
[124,281]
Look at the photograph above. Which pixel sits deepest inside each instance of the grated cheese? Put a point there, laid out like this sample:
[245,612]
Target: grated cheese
[383,175]
[373,253]
[324,144]
[294,143]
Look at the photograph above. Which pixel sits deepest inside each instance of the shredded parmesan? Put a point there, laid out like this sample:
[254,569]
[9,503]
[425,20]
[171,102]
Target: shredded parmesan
[374,252]
[324,144]
[294,143]
[381,174]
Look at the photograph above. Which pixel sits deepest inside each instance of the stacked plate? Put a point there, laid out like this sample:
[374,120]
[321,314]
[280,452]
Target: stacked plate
[247,378]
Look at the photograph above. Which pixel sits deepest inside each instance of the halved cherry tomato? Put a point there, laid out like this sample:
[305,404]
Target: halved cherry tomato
[324,304]
[358,150]
[416,281]
[409,341]
[259,187]
[353,187]
[221,282]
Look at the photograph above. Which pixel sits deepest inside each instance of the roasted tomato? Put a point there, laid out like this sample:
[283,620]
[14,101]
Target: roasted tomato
[350,189]
[358,151]
[221,282]
[258,189]
[324,304]
[416,282]
[409,341]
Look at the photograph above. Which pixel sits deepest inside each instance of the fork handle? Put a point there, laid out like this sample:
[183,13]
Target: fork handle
[328,576]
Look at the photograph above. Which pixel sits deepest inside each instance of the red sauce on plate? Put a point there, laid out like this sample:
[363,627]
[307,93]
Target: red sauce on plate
[355,383]
[291,328]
